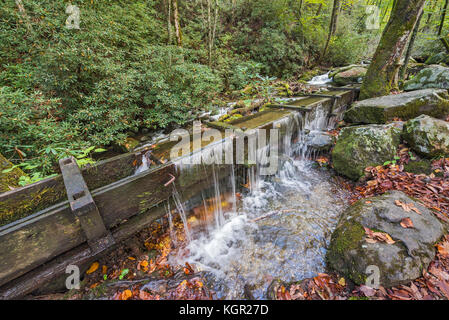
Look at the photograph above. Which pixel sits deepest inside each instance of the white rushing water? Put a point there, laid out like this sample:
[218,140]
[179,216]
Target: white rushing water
[279,229]
[320,80]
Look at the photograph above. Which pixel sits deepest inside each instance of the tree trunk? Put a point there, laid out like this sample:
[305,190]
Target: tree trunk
[410,46]
[169,22]
[333,25]
[319,10]
[443,17]
[177,24]
[383,71]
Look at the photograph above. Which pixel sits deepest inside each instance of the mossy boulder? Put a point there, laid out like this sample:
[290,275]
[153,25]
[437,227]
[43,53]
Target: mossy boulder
[9,179]
[434,76]
[427,136]
[350,75]
[350,254]
[359,147]
[405,106]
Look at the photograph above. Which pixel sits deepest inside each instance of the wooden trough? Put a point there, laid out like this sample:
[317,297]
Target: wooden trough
[46,226]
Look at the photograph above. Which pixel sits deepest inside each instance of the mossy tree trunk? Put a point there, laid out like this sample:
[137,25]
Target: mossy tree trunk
[383,71]
[443,17]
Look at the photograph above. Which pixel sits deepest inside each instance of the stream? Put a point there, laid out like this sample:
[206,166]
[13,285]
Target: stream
[278,229]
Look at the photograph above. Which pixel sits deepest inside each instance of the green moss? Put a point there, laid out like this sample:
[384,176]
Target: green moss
[346,238]
[419,167]
[11,178]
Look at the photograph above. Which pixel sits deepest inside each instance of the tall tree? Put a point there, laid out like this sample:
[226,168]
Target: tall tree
[443,17]
[178,31]
[410,46]
[333,24]
[384,68]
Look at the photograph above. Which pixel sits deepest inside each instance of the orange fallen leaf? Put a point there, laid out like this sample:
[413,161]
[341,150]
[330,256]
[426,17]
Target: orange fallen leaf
[443,248]
[407,223]
[407,207]
[104,269]
[126,295]
[94,285]
[93,267]
[131,258]
[374,237]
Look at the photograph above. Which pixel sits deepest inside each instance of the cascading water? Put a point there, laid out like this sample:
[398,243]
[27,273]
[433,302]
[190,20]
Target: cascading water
[320,80]
[279,229]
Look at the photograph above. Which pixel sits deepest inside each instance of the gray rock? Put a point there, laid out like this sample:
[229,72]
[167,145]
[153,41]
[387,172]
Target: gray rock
[398,263]
[359,147]
[427,136]
[348,75]
[434,76]
[319,141]
[408,105]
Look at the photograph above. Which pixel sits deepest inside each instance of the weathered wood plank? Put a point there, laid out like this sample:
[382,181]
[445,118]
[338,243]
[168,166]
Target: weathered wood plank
[29,242]
[19,203]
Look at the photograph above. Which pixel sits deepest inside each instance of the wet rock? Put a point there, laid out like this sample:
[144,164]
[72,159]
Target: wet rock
[348,75]
[398,263]
[359,147]
[433,102]
[434,76]
[427,136]
[319,141]
[11,178]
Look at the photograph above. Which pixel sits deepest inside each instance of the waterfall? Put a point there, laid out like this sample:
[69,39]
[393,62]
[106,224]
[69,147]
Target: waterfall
[182,212]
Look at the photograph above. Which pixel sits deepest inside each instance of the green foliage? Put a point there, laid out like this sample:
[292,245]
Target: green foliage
[63,90]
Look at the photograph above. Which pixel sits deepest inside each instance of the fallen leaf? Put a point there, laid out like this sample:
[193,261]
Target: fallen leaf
[407,223]
[443,248]
[93,267]
[342,282]
[126,295]
[374,237]
[367,291]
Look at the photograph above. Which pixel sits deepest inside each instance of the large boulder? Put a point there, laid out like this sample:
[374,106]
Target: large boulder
[400,262]
[9,179]
[427,136]
[364,146]
[348,75]
[434,76]
[408,105]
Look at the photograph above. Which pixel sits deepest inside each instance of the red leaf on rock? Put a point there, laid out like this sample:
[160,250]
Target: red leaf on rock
[407,223]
